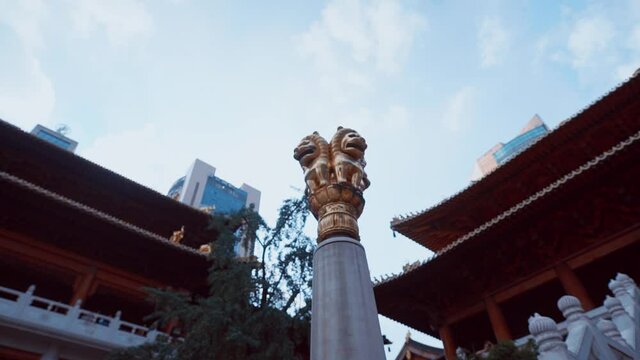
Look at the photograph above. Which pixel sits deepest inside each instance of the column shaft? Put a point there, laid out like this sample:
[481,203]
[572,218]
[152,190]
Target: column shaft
[498,322]
[83,286]
[573,286]
[449,343]
[344,322]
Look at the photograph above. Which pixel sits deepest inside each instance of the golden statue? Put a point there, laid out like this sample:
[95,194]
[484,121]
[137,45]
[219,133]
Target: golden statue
[177,236]
[313,155]
[205,249]
[335,178]
[208,209]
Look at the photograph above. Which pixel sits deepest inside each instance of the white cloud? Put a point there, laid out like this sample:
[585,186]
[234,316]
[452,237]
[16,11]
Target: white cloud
[393,31]
[355,41]
[30,100]
[123,20]
[589,39]
[27,94]
[459,111]
[493,41]
[24,18]
[143,154]
[627,69]
[396,117]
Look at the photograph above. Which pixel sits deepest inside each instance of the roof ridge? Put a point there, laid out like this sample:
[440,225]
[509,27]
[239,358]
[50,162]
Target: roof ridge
[92,211]
[111,172]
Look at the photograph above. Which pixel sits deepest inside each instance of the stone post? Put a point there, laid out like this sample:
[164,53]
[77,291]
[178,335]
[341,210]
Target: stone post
[583,338]
[623,322]
[344,322]
[546,334]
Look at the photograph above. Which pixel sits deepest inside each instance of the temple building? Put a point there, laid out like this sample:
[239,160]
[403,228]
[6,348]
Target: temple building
[413,350]
[78,244]
[560,217]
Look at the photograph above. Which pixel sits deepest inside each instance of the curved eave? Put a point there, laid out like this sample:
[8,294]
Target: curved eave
[452,274]
[589,132]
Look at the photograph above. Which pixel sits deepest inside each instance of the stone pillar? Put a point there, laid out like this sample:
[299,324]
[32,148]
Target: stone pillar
[449,343]
[573,286]
[498,322]
[546,334]
[345,319]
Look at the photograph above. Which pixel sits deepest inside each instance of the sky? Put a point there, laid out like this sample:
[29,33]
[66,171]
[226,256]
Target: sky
[148,86]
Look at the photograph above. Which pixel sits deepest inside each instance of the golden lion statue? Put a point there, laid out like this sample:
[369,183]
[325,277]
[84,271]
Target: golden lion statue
[313,155]
[335,178]
[347,152]
[177,236]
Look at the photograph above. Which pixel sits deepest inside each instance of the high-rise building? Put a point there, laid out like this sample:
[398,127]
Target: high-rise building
[54,137]
[500,153]
[200,188]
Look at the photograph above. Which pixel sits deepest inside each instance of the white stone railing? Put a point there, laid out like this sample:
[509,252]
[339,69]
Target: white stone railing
[610,332]
[27,311]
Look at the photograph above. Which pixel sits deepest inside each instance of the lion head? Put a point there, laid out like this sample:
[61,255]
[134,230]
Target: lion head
[310,148]
[348,141]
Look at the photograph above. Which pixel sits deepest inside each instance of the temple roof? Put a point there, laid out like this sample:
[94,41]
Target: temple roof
[419,350]
[72,177]
[55,197]
[565,194]
[546,160]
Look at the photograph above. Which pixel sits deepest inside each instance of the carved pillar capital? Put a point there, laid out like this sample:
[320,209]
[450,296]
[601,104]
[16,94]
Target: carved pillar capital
[335,179]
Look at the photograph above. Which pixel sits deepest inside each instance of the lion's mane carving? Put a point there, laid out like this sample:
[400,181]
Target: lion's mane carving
[313,155]
[347,152]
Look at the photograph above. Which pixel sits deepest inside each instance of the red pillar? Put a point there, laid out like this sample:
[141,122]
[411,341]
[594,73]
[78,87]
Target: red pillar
[573,286]
[83,286]
[498,322]
[172,324]
[449,344]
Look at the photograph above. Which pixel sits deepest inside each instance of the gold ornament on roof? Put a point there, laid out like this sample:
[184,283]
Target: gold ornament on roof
[335,178]
[205,249]
[177,236]
[208,209]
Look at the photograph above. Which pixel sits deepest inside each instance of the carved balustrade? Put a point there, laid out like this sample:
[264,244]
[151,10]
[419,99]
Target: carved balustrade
[610,332]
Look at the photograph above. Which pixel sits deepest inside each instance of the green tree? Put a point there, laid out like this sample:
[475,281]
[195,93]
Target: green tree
[257,308]
[507,350]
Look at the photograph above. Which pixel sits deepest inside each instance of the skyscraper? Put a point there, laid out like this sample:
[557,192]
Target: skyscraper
[200,188]
[500,153]
[56,138]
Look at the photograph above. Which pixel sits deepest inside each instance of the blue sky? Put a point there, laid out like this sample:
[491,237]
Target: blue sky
[147,86]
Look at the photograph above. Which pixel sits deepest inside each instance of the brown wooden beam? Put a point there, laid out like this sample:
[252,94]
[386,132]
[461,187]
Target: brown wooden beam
[17,354]
[41,255]
[498,322]
[604,247]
